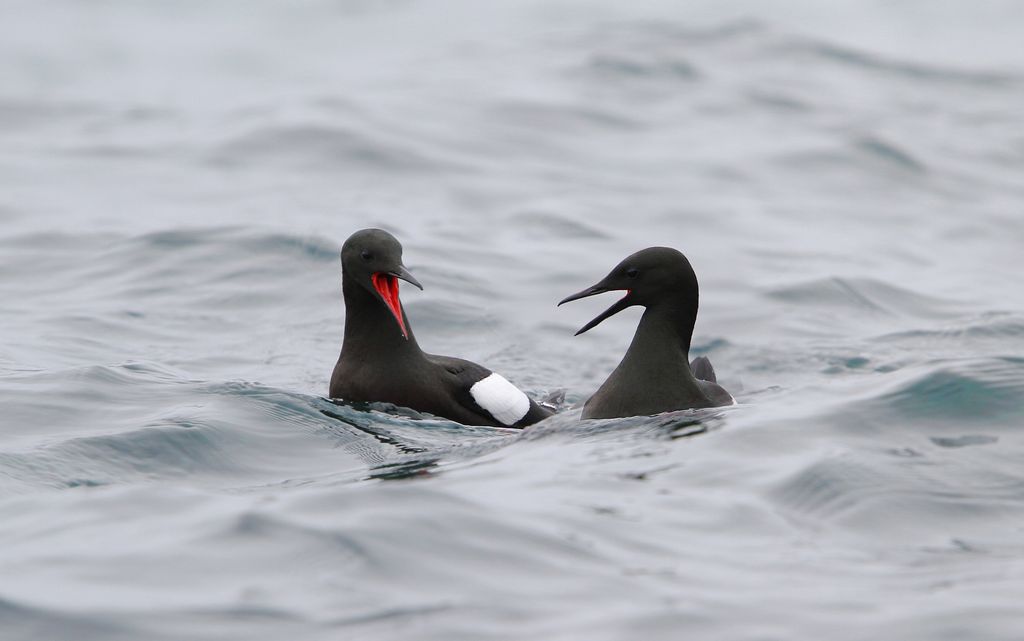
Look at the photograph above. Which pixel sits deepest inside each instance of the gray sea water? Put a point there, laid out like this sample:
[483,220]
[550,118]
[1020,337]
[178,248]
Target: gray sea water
[176,180]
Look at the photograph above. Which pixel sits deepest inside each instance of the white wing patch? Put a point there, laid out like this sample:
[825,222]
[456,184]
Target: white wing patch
[502,399]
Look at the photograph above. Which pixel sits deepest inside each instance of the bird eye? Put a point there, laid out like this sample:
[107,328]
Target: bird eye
[367,255]
[632,272]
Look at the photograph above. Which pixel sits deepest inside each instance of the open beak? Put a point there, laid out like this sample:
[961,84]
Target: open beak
[599,288]
[404,274]
[386,284]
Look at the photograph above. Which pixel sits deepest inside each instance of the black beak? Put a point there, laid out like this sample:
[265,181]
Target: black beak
[404,274]
[599,288]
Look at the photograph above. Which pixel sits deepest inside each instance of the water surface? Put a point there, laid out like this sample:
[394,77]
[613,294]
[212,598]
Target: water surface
[175,185]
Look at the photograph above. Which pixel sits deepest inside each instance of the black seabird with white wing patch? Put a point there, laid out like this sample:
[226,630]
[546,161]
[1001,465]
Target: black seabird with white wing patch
[381,361]
[654,375]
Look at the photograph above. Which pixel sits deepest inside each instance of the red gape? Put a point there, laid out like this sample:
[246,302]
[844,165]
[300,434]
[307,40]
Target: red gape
[387,286]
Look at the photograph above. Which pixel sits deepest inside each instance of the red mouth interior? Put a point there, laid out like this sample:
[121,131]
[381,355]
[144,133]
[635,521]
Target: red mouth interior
[387,286]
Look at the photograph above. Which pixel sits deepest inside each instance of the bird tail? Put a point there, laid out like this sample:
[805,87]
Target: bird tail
[702,369]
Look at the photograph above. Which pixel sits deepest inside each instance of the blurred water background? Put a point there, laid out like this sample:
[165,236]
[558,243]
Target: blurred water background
[176,180]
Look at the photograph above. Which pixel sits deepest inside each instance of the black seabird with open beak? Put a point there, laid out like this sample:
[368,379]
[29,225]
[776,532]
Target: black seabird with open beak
[379,364]
[654,376]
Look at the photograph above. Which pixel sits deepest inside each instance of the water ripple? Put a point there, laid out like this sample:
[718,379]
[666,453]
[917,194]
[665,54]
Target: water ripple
[323,148]
[871,62]
[862,294]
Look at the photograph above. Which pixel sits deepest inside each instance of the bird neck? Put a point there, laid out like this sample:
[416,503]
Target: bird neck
[371,331]
[663,337]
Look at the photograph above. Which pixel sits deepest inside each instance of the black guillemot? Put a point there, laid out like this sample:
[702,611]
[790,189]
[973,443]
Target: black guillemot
[654,375]
[380,360]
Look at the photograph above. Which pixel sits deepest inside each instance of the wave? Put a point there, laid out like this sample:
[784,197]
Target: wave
[862,295]
[18,621]
[820,50]
[870,153]
[971,391]
[327,148]
[862,495]
[995,327]
[167,426]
